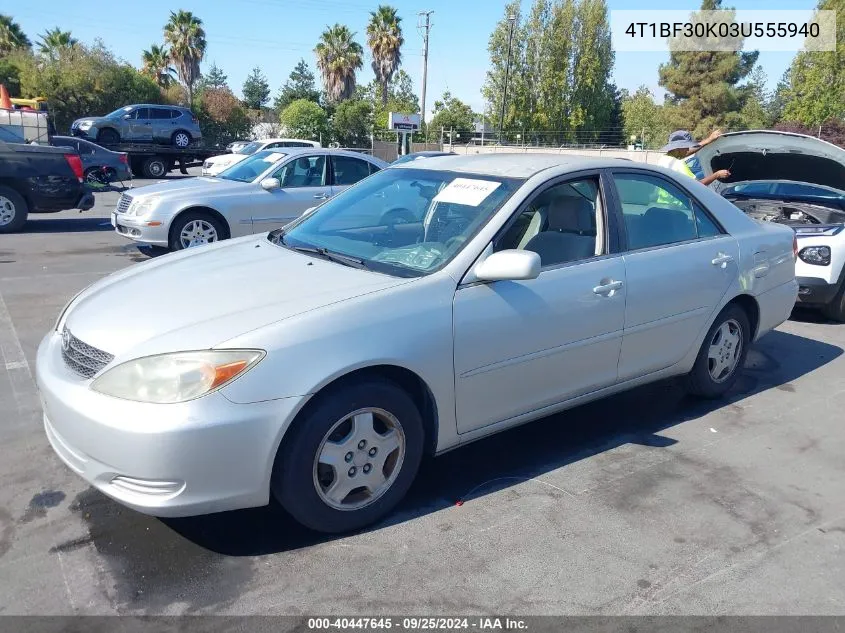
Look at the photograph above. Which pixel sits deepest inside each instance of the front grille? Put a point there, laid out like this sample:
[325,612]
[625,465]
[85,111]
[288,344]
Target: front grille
[83,359]
[123,203]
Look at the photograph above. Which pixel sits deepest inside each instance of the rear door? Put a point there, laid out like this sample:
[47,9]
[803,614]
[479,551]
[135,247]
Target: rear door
[304,185]
[140,125]
[347,170]
[163,124]
[679,263]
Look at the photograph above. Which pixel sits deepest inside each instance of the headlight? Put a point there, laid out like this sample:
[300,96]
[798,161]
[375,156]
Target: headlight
[177,377]
[815,255]
[84,125]
[142,206]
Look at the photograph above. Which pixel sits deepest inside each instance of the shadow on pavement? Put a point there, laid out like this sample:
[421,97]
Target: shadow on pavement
[529,451]
[46,224]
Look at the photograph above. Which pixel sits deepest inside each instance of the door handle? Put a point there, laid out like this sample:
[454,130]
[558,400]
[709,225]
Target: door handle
[321,196]
[722,260]
[608,288]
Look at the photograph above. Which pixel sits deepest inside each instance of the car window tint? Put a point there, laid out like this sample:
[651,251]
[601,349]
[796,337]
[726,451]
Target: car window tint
[175,114]
[84,148]
[141,113]
[305,171]
[348,170]
[656,212]
[560,224]
[374,168]
[704,224]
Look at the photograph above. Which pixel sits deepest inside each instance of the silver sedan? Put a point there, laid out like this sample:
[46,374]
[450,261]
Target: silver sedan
[263,192]
[316,365]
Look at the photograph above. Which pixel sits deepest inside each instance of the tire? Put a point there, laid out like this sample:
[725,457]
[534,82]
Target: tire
[301,482]
[180,139]
[108,136]
[701,381]
[202,221]
[151,250]
[13,210]
[835,310]
[154,167]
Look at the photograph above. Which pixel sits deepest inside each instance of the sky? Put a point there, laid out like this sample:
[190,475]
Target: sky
[275,34]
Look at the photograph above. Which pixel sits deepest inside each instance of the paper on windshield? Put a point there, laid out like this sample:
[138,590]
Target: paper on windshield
[468,191]
[272,158]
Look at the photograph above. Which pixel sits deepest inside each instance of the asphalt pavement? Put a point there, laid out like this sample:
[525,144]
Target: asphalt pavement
[645,503]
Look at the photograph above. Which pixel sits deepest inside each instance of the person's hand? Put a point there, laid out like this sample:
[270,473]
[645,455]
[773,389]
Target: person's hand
[722,174]
[714,135]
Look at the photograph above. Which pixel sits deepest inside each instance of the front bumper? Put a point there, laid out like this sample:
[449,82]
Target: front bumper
[140,229]
[815,291]
[207,455]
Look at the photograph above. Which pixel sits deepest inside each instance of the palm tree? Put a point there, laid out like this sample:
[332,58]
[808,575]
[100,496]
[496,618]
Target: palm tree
[12,36]
[54,41]
[384,37]
[157,65]
[338,57]
[186,37]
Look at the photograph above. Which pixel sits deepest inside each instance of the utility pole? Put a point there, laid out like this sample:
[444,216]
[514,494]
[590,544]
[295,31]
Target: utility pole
[424,26]
[511,20]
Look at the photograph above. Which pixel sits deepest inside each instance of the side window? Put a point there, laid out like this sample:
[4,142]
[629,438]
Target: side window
[305,171]
[272,145]
[562,224]
[656,212]
[175,114]
[84,148]
[141,113]
[374,168]
[348,170]
[160,113]
[704,224]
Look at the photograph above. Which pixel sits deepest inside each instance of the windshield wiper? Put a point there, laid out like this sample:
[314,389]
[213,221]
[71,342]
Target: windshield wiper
[337,258]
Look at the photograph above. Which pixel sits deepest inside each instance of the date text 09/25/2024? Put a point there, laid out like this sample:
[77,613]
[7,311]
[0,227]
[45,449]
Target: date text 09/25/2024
[418,624]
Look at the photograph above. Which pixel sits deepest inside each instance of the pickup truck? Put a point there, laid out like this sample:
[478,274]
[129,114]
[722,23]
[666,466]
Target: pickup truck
[37,179]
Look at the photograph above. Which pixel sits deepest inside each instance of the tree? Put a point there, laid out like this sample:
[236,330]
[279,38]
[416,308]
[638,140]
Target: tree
[517,112]
[300,85]
[12,36]
[384,37]
[755,112]
[305,119]
[186,37]
[221,115]
[832,130]
[256,90]
[400,98]
[156,65]
[214,78]
[643,118]
[91,81]
[54,42]
[351,123]
[702,85]
[556,74]
[339,56]
[451,113]
[593,94]
[816,81]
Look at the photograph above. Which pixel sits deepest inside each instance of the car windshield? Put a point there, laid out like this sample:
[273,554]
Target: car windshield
[118,113]
[250,148]
[251,168]
[405,222]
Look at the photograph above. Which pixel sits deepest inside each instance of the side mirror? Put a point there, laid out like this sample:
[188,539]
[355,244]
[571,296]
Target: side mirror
[126,117]
[510,265]
[269,184]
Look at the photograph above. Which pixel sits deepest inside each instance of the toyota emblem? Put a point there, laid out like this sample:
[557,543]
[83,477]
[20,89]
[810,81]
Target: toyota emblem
[65,339]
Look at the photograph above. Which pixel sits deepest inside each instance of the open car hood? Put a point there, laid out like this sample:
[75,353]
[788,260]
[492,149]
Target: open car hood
[771,155]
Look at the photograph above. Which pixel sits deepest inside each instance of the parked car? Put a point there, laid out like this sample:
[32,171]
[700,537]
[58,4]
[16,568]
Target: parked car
[417,155]
[95,157]
[37,179]
[318,363]
[216,164]
[798,181]
[265,191]
[234,146]
[141,123]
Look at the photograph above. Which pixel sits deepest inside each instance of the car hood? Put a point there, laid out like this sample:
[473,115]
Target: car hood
[189,186]
[771,155]
[226,159]
[201,297]
[92,119]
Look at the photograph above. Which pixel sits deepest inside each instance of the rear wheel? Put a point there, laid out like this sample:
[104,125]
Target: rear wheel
[108,136]
[722,354]
[180,139]
[13,210]
[835,310]
[155,167]
[350,457]
[196,228]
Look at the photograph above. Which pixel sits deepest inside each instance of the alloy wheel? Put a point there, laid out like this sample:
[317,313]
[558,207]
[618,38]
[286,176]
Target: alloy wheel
[182,140]
[7,211]
[197,233]
[359,459]
[725,351]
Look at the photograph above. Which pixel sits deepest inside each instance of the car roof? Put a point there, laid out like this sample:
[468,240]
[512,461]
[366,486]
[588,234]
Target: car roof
[276,140]
[155,105]
[293,151]
[511,165]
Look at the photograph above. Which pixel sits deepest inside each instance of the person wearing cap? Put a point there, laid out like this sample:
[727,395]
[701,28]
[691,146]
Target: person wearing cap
[680,146]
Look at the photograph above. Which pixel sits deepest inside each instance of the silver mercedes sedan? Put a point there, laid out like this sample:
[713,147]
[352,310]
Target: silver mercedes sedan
[430,305]
[266,190]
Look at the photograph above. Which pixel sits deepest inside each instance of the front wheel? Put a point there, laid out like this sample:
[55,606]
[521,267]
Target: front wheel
[195,229]
[108,137]
[350,457]
[722,354]
[13,210]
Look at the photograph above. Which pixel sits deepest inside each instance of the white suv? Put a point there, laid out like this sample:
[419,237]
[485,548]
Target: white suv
[796,180]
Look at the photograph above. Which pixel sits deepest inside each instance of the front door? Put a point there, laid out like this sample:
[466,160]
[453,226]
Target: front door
[524,345]
[679,264]
[140,125]
[303,181]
